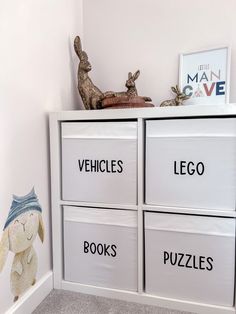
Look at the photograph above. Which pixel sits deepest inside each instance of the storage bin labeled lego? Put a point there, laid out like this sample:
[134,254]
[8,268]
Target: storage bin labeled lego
[191,163]
[100,247]
[190,257]
[99,162]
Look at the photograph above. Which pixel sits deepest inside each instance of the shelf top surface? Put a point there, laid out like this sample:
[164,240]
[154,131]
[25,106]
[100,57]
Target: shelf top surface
[147,113]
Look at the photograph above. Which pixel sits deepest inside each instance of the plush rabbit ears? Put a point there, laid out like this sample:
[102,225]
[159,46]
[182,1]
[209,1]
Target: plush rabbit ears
[4,248]
[78,49]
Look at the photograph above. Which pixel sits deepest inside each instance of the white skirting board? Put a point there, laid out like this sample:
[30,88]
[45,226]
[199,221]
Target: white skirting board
[34,296]
[179,305]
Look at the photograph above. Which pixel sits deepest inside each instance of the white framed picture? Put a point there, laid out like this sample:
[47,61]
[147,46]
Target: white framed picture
[205,76]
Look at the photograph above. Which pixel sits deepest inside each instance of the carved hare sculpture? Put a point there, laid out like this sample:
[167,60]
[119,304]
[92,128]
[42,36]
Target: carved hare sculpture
[23,223]
[130,83]
[131,87]
[90,94]
[178,100]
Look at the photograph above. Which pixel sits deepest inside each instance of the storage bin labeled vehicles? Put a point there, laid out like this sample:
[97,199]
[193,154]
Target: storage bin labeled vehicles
[191,163]
[99,162]
[100,247]
[190,257]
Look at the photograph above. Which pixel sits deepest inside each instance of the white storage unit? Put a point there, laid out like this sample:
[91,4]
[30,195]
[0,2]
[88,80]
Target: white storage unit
[202,223]
[100,247]
[191,163]
[190,257]
[99,162]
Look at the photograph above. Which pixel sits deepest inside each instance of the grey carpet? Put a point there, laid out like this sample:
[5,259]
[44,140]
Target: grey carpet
[66,302]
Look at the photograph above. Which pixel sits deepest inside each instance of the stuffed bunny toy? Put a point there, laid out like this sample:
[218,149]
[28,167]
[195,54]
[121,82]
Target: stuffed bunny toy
[178,100]
[23,224]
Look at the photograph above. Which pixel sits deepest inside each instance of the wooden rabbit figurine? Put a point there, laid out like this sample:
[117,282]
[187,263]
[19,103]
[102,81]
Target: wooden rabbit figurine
[130,84]
[90,94]
[178,100]
[131,87]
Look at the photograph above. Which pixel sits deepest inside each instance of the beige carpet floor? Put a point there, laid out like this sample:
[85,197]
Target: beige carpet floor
[65,302]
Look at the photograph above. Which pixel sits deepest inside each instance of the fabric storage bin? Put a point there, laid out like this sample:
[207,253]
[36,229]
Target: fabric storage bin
[191,163]
[100,247]
[190,257]
[99,162]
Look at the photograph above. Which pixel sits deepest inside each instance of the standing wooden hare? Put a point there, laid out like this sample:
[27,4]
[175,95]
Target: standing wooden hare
[23,224]
[178,100]
[90,94]
[93,97]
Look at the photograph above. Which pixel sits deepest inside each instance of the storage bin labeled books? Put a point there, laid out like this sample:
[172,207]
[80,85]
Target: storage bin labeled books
[100,247]
[190,257]
[99,162]
[191,163]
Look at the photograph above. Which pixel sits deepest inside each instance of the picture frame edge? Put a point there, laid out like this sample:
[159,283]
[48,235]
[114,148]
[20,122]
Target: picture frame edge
[228,66]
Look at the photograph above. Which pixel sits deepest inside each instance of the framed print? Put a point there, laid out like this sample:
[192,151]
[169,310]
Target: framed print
[204,76]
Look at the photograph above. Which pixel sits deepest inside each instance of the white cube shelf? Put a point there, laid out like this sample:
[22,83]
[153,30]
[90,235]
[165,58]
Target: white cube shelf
[191,163]
[100,247]
[99,162]
[190,257]
[116,175]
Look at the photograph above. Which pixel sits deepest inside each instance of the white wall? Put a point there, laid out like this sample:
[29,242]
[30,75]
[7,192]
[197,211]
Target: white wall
[37,75]
[125,35]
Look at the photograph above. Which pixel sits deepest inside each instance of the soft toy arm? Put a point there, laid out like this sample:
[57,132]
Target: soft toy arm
[17,267]
[30,256]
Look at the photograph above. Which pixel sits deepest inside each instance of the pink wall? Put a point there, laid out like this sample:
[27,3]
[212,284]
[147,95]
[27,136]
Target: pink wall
[38,75]
[122,36]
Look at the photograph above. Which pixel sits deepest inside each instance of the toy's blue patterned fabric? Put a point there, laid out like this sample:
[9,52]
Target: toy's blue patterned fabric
[22,204]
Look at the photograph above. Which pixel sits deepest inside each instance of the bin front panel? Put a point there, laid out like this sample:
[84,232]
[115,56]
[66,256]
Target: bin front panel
[100,253]
[190,258]
[193,168]
[99,162]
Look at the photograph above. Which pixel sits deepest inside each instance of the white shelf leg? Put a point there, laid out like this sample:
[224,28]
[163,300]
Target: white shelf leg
[57,232]
[140,203]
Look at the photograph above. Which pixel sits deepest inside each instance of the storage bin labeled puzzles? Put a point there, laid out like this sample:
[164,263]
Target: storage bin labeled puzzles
[190,257]
[99,162]
[100,247]
[191,163]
